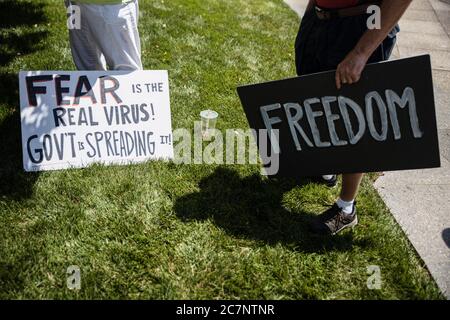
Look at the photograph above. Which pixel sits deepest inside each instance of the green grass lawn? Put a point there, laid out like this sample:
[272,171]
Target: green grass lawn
[164,231]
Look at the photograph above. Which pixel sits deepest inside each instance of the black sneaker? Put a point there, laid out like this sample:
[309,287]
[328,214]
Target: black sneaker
[334,220]
[331,183]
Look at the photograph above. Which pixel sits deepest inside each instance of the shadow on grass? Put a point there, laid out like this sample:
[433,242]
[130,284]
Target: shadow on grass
[251,208]
[13,45]
[15,14]
[15,184]
[17,37]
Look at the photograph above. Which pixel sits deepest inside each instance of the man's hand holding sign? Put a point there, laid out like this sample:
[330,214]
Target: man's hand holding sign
[377,124]
[349,70]
[348,120]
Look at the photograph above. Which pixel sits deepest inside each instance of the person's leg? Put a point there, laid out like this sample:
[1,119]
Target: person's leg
[343,213]
[351,182]
[342,35]
[349,190]
[85,51]
[350,186]
[119,39]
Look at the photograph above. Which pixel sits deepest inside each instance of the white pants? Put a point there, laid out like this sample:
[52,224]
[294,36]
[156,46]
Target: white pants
[108,36]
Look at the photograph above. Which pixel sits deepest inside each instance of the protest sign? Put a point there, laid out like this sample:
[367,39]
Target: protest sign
[73,119]
[384,122]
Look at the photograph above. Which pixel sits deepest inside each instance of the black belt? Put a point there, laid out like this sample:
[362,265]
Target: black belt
[327,14]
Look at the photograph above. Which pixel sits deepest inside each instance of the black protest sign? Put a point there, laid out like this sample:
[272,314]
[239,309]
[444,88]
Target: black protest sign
[384,122]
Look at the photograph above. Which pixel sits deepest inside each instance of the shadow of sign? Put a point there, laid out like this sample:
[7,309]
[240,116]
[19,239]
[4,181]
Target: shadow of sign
[251,208]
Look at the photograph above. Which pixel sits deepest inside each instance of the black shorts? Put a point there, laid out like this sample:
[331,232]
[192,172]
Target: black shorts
[322,44]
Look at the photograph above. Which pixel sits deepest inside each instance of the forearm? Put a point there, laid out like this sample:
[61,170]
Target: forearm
[391,12]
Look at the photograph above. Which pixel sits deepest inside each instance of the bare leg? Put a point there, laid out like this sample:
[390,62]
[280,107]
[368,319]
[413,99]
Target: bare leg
[350,185]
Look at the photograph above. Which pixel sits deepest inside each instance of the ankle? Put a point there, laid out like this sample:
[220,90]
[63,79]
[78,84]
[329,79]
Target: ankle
[346,206]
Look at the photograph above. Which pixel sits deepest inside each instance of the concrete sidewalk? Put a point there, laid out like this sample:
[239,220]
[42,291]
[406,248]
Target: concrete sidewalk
[420,199]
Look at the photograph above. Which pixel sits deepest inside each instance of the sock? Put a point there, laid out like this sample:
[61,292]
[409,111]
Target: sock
[346,206]
[328,177]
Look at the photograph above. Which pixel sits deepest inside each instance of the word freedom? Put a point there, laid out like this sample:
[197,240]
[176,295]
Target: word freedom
[375,107]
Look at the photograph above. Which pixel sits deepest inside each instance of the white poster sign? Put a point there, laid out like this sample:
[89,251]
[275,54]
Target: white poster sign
[73,119]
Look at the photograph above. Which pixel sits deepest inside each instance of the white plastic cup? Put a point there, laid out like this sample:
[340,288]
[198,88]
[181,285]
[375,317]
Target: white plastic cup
[209,119]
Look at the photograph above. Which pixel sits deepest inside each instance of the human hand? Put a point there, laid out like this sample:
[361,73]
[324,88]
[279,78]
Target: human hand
[350,69]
